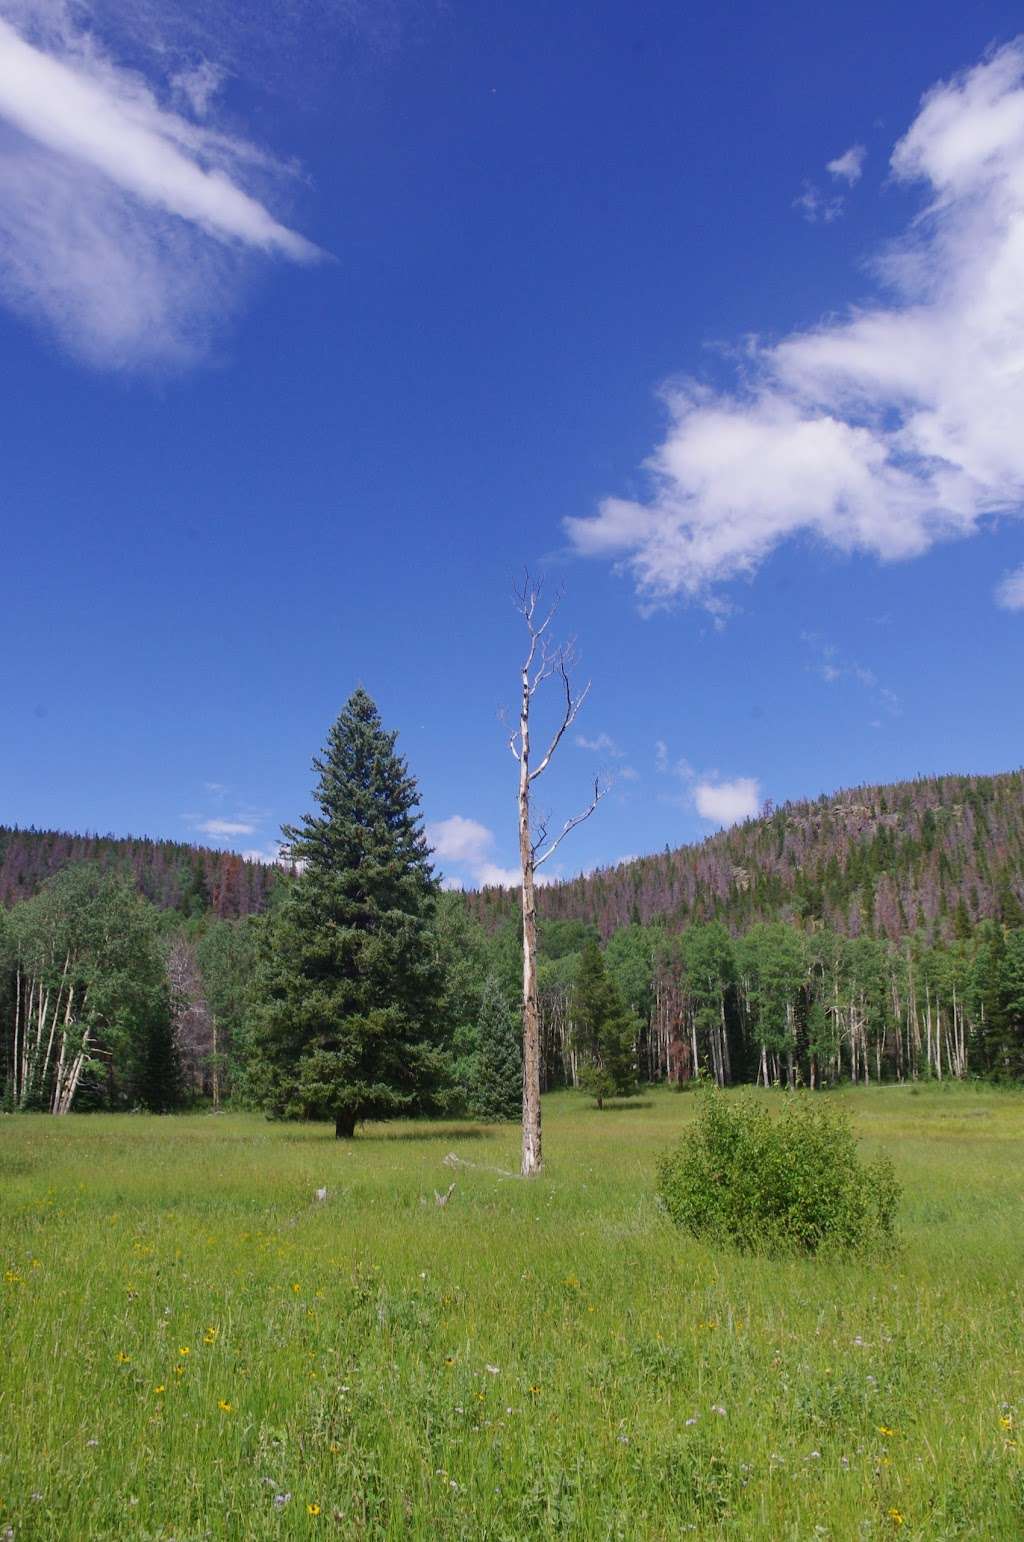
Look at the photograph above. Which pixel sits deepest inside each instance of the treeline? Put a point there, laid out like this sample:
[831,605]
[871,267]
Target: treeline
[936,856]
[172,875]
[361,990]
[107,1002]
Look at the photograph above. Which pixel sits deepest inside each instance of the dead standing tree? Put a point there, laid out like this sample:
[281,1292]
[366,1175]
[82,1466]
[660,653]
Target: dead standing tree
[543,661]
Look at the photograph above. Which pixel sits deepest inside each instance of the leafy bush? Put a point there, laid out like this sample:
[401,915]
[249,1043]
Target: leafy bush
[793,1183]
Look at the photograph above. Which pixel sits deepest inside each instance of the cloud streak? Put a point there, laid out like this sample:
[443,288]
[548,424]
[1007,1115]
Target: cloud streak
[1010,590]
[892,429]
[125,226]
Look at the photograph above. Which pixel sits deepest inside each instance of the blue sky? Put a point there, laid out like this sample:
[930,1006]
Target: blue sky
[319,324]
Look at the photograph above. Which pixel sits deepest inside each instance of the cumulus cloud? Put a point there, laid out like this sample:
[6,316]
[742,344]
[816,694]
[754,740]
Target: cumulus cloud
[460,840]
[1010,592]
[849,166]
[886,431]
[469,844]
[726,803]
[127,226]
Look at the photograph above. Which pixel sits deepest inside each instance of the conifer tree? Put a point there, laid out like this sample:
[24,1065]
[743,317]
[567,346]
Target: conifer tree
[347,1022]
[498,1079]
[605,1030]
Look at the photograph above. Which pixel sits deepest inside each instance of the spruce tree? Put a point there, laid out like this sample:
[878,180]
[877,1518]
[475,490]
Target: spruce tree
[498,1079]
[347,1021]
[604,1029]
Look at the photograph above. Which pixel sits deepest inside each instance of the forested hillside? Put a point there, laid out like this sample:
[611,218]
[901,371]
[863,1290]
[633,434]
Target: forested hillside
[192,880]
[933,856]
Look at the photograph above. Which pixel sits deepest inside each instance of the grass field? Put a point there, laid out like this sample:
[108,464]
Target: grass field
[193,1347]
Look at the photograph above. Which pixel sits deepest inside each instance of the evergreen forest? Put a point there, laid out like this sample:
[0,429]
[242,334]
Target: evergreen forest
[874,935]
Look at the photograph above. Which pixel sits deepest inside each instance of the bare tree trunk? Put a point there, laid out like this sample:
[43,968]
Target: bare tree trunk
[532,1158]
[542,662]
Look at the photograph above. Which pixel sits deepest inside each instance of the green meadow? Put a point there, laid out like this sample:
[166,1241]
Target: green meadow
[194,1346]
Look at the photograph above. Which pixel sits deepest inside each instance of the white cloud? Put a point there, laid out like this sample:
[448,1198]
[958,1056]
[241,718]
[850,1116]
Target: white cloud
[468,843]
[460,840]
[125,226]
[1010,591]
[490,876]
[199,85]
[660,756]
[220,827]
[887,431]
[274,854]
[627,774]
[849,166]
[603,744]
[726,803]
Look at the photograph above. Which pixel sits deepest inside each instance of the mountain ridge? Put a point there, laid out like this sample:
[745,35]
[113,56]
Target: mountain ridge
[937,854]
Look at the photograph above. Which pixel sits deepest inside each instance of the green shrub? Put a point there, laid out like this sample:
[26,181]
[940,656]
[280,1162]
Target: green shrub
[792,1183]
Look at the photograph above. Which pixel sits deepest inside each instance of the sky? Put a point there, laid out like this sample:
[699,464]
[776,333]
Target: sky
[322,322]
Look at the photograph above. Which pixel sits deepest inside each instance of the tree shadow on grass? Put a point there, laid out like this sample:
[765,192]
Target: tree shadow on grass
[426,1133]
[623,1106]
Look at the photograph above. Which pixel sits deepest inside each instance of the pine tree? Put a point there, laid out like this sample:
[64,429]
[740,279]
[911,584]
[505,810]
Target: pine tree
[498,1078]
[160,1085]
[347,1023]
[604,1028]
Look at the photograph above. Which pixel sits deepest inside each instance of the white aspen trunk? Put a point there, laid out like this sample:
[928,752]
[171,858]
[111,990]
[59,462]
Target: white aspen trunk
[15,1090]
[216,1068]
[74,1073]
[726,1068]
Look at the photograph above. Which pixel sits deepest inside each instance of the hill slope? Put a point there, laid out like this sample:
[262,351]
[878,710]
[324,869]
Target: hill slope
[938,854]
[172,874]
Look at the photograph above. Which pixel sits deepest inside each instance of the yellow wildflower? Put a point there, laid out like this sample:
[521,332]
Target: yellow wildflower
[313,1509]
[122,1358]
[883,1429]
[296,1288]
[159,1389]
[184,1350]
[1006,1422]
[225,1407]
[895,1515]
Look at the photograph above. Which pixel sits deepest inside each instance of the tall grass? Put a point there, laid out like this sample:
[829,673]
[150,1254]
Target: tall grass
[193,1346]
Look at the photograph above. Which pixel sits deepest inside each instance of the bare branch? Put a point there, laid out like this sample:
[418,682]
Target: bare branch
[569,715]
[541,835]
[570,824]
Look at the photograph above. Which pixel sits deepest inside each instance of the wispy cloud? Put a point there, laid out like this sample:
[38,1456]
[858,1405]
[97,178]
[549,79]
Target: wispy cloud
[602,744]
[1010,590]
[127,225]
[884,432]
[831,667]
[848,167]
[223,827]
[817,206]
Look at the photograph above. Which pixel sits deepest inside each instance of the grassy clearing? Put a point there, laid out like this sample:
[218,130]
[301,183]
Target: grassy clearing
[188,1336]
